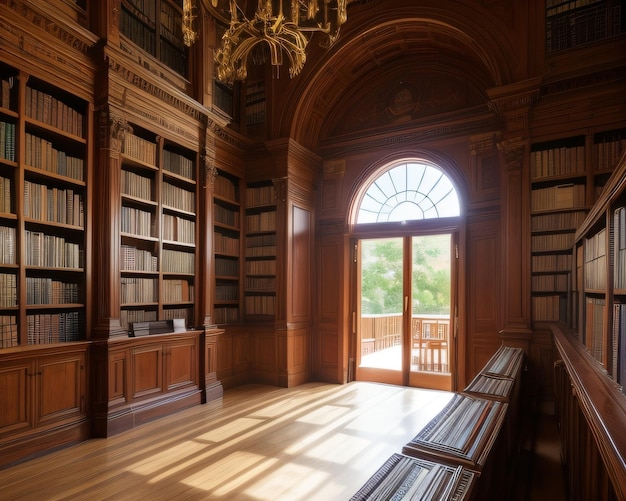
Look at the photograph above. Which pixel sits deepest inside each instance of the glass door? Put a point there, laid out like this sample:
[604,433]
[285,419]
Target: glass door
[403,320]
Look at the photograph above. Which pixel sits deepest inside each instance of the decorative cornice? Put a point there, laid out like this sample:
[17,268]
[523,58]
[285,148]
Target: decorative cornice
[45,20]
[581,81]
[422,135]
[482,143]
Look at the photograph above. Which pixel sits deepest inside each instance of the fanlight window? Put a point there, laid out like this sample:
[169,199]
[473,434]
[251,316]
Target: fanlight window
[407,192]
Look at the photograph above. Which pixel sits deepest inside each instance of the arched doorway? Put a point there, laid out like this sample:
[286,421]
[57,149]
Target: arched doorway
[405,276]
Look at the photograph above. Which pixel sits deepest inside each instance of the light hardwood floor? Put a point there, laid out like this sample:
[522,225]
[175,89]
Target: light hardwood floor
[313,442]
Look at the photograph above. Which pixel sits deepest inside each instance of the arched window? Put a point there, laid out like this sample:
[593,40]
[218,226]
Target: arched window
[408,191]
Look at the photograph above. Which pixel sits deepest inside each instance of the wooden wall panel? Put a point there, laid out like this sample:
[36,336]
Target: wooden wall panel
[147,369]
[182,364]
[483,294]
[300,299]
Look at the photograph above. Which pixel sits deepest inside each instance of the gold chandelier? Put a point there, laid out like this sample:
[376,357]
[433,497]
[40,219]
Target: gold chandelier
[281,29]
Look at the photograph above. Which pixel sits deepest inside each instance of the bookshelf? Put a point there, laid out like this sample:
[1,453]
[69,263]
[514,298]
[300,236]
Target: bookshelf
[260,251]
[43,181]
[558,206]
[155,26]
[158,230]
[227,248]
[255,106]
[574,23]
[601,245]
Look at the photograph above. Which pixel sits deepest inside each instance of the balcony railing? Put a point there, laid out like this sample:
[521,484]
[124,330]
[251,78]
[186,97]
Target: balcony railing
[430,338]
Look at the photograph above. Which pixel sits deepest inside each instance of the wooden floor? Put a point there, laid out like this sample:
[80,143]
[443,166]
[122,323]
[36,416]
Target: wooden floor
[313,442]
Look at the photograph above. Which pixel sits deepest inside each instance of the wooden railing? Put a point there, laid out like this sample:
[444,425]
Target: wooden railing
[430,338]
[592,421]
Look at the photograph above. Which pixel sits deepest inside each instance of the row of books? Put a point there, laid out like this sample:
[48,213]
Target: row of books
[135,185]
[554,7]
[557,220]
[261,195]
[5,195]
[136,222]
[552,262]
[261,240]
[255,113]
[619,271]
[173,55]
[178,198]
[178,262]
[8,331]
[42,154]
[260,283]
[618,364]
[226,216]
[6,84]
[566,196]
[594,327]
[548,308]
[134,27]
[226,314]
[225,244]
[46,328]
[554,242]
[261,251]
[8,290]
[7,249]
[595,261]
[138,290]
[608,153]
[140,149]
[226,292]
[178,229]
[7,141]
[134,259]
[171,20]
[264,221]
[261,267]
[53,204]
[178,164]
[177,291]
[50,110]
[549,283]
[184,313]
[260,305]
[225,267]
[145,7]
[43,290]
[52,251]
[557,162]
[226,188]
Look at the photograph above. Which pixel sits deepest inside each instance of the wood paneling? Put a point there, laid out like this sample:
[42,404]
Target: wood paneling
[300,262]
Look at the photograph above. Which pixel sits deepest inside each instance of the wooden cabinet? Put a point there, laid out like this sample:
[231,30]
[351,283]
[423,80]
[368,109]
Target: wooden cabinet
[43,401]
[152,376]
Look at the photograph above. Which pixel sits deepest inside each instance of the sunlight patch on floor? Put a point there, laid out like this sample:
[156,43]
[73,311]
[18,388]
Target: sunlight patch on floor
[230,430]
[325,414]
[339,449]
[170,455]
[290,482]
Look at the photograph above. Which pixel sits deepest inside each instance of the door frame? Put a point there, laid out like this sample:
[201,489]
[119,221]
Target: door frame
[405,377]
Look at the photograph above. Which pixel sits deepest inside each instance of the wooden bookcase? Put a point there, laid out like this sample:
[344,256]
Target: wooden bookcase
[260,253]
[227,248]
[155,27]
[601,247]
[567,176]
[44,171]
[158,230]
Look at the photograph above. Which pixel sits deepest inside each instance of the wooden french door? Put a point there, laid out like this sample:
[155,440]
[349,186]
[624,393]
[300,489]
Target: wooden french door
[404,304]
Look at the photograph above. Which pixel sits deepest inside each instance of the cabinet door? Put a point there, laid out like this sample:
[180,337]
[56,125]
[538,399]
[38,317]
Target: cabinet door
[147,370]
[60,388]
[182,364]
[15,403]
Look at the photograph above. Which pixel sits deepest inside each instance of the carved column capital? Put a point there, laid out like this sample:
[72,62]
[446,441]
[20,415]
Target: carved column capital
[513,154]
[280,188]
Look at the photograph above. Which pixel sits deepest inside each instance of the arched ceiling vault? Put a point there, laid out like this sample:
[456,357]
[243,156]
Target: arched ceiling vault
[396,67]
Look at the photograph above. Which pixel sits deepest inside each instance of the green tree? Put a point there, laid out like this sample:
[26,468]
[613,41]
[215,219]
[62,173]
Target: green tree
[381,275]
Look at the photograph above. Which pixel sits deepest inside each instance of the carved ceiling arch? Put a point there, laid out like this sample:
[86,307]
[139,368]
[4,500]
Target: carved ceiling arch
[405,63]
